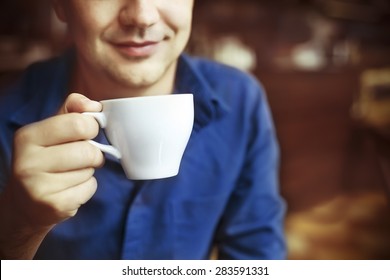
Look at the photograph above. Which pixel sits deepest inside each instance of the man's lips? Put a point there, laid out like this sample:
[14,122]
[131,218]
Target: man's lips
[136,49]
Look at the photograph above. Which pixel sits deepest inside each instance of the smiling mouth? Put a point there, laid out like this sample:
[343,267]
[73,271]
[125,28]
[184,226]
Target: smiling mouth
[137,49]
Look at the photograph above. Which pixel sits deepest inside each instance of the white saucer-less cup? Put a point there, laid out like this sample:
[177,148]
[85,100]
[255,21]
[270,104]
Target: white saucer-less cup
[147,134]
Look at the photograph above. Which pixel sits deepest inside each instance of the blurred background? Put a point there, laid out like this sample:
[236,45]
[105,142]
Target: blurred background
[325,65]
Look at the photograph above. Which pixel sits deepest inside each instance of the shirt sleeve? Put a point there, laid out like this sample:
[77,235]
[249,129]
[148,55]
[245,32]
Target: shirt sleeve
[253,224]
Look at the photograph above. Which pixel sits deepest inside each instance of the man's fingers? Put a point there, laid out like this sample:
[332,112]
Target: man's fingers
[58,129]
[46,184]
[78,103]
[59,159]
[62,181]
[66,203]
[72,198]
[71,156]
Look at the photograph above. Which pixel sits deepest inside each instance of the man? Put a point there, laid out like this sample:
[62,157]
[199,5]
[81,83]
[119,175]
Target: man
[56,201]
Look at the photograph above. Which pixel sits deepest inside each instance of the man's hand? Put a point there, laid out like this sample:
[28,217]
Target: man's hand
[53,167]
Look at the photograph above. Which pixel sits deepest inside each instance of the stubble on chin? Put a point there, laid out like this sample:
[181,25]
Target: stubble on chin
[133,76]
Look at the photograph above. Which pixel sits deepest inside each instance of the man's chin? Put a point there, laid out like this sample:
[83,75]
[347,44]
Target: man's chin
[136,81]
[135,74]
[141,74]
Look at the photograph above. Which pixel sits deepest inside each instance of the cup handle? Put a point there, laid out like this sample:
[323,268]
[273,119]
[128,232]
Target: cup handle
[102,121]
[99,117]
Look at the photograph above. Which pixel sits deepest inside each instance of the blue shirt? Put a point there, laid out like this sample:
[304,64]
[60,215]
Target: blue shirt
[226,193]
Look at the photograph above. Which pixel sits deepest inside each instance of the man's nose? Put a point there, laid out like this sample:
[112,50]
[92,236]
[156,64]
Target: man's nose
[139,13]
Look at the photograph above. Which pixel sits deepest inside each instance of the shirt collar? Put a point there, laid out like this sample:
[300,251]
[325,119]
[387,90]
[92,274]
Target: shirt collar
[190,79]
[47,85]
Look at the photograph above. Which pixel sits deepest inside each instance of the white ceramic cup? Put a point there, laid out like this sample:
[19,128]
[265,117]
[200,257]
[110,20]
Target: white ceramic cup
[147,134]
